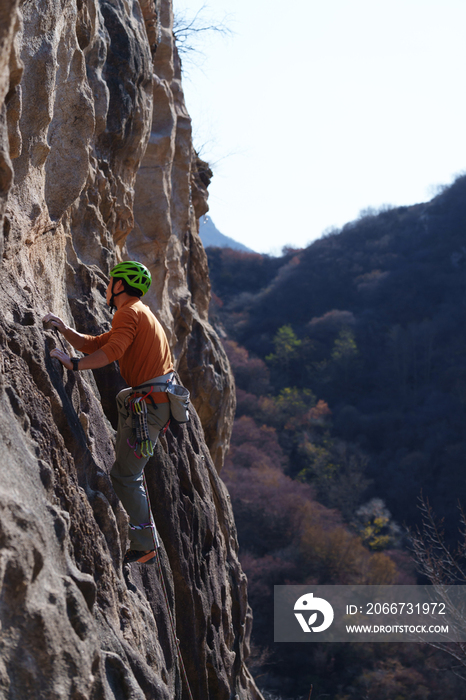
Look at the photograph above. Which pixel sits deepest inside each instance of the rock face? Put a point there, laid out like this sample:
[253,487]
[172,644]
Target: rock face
[96,165]
[170,197]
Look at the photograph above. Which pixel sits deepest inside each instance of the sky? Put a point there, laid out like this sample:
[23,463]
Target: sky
[312,111]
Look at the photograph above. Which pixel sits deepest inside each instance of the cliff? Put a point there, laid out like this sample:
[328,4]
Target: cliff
[97,165]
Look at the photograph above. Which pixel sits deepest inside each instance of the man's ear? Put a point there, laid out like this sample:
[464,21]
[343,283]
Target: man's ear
[118,286]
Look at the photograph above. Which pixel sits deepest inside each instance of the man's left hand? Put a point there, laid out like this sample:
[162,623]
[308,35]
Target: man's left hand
[63,357]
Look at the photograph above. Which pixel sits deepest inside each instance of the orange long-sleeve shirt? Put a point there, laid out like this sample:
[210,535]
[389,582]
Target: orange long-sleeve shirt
[137,341]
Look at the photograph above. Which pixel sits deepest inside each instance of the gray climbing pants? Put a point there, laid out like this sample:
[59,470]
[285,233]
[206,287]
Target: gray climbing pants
[127,471]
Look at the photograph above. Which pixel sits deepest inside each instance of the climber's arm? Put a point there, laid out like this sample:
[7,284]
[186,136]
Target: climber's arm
[94,361]
[74,338]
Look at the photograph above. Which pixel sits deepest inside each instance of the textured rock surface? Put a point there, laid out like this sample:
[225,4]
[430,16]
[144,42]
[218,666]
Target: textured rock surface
[82,96]
[170,197]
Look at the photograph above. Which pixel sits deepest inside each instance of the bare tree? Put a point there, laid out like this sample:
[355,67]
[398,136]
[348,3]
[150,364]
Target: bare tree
[189,32]
[444,567]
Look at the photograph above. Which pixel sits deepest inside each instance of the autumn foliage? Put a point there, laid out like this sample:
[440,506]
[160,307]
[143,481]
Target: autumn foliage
[370,319]
[287,535]
[350,364]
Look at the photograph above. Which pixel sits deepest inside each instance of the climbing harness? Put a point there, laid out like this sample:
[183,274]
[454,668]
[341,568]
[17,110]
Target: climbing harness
[178,397]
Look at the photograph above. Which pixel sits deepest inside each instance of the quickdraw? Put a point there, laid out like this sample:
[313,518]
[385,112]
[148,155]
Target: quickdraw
[138,408]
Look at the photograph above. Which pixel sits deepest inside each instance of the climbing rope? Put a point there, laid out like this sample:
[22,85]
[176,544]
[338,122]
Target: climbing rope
[61,341]
[164,588]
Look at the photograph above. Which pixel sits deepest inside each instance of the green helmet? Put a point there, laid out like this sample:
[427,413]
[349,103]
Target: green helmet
[134,273]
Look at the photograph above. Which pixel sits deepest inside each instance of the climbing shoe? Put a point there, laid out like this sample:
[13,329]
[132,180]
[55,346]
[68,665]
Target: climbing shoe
[133,555]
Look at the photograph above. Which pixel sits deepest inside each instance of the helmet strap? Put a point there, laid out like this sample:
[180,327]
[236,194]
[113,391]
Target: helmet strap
[112,298]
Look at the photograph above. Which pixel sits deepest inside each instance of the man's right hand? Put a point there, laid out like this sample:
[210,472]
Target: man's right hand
[73,337]
[56,322]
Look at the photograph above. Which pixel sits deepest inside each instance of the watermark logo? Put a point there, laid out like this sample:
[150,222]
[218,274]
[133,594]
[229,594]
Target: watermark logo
[339,613]
[308,603]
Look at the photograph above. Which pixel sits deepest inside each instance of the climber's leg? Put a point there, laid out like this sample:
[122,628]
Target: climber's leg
[127,471]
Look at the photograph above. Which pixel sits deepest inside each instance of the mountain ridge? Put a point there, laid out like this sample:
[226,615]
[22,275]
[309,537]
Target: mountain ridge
[211,236]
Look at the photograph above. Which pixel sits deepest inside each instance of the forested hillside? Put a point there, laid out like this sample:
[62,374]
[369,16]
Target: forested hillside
[350,365]
[371,320]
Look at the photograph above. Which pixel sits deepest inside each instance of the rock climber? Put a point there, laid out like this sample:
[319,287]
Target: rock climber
[138,342]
